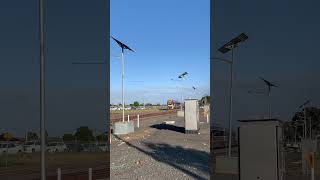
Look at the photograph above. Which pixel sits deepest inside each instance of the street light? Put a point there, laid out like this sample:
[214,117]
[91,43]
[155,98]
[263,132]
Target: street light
[123,47]
[230,46]
[182,76]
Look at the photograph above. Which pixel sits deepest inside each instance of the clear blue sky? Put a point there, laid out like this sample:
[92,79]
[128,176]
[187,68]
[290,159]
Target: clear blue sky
[169,37]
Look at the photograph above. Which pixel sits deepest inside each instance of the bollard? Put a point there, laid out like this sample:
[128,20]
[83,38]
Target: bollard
[59,174]
[128,118]
[90,174]
[207,118]
[110,137]
[311,163]
[138,119]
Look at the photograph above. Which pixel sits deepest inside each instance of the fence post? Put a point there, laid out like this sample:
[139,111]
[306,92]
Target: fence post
[138,119]
[59,174]
[110,137]
[207,117]
[311,162]
[128,117]
[90,174]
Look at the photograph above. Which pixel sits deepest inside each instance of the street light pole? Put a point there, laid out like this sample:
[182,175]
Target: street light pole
[42,91]
[231,99]
[122,60]
[269,103]
[305,123]
[181,94]
[123,46]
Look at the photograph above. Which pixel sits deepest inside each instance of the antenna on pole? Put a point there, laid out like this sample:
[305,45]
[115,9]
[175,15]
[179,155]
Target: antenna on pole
[270,85]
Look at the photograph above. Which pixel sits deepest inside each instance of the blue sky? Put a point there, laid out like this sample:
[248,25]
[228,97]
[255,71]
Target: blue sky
[168,37]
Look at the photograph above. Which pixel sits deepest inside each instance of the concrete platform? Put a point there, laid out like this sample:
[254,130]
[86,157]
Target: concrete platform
[180,113]
[122,128]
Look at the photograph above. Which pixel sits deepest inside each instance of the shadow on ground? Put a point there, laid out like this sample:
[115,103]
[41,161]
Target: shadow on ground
[168,127]
[182,159]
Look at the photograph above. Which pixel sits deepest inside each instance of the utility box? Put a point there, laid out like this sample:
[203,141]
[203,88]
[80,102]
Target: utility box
[191,116]
[260,150]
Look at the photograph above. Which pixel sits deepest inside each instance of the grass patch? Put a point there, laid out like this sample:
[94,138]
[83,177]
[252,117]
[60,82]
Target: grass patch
[54,159]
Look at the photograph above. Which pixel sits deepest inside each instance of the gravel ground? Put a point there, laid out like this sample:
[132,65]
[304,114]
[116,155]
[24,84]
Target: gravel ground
[157,151]
[293,167]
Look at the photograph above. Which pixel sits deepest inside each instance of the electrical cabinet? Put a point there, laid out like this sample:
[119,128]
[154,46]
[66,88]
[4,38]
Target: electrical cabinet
[261,150]
[191,115]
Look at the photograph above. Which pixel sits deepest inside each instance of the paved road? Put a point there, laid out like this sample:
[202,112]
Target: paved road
[161,152]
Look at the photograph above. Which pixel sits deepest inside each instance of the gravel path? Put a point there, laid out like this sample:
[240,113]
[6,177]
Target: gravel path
[157,151]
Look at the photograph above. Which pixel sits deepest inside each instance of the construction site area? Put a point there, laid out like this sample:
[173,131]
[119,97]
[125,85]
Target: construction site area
[160,149]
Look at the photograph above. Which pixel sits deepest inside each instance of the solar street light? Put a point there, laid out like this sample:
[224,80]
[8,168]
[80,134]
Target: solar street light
[230,46]
[182,76]
[233,43]
[123,47]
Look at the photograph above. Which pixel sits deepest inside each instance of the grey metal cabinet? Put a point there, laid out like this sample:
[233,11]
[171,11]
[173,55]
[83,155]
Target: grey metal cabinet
[191,113]
[260,150]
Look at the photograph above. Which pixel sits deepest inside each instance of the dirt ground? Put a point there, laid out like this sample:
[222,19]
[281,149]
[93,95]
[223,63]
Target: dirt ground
[158,151]
[73,165]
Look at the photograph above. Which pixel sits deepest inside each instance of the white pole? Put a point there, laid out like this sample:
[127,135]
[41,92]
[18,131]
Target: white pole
[305,123]
[42,91]
[181,92]
[90,174]
[122,86]
[207,117]
[138,119]
[230,112]
[59,174]
[295,135]
[310,127]
[128,117]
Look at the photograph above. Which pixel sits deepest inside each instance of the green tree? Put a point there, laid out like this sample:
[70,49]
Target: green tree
[295,126]
[136,104]
[84,134]
[7,136]
[102,137]
[32,136]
